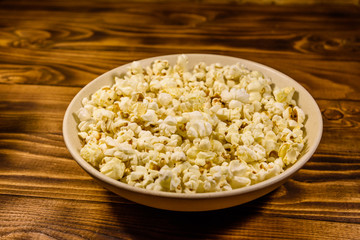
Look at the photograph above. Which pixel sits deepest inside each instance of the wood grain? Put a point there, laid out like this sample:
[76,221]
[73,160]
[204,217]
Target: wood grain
[49,50]
[321,43]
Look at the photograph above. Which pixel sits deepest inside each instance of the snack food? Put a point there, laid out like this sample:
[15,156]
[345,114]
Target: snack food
[206,129]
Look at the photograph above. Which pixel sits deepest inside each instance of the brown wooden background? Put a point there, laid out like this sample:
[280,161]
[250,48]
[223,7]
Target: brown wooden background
[49,50]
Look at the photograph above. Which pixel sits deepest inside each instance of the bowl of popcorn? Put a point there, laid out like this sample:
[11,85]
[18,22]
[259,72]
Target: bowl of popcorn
[192,132]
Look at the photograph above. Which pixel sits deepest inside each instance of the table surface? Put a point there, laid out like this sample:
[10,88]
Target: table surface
[50,50]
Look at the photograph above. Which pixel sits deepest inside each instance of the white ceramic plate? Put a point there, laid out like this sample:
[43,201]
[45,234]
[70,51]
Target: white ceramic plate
[199,201]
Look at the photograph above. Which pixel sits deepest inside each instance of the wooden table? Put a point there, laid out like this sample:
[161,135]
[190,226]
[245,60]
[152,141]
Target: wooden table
[50,50]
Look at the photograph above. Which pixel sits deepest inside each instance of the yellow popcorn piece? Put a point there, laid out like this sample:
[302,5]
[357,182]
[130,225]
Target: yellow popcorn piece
[92,154]
[112,167]
[284,94]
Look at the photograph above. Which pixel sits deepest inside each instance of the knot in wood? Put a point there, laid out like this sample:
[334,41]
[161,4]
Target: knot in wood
[333,114]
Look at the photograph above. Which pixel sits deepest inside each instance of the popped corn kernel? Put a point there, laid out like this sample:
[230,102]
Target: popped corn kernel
[112,167]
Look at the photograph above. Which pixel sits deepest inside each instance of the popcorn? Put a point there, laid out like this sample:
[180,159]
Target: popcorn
[83,114]
[204,144]
[223,114]
[254,86]
[164,99]
[235,94]
[198,128]
[165,176]
[181,65]
[159,66]
[112,167]
[233,72]
[150,116]
[207,129]
[235,104]
[92,154]
[284,94]
[140,172]
[238,182]
[299,115]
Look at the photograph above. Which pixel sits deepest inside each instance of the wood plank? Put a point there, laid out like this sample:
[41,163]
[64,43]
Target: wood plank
[101,220]
[315,46]
[99,3]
